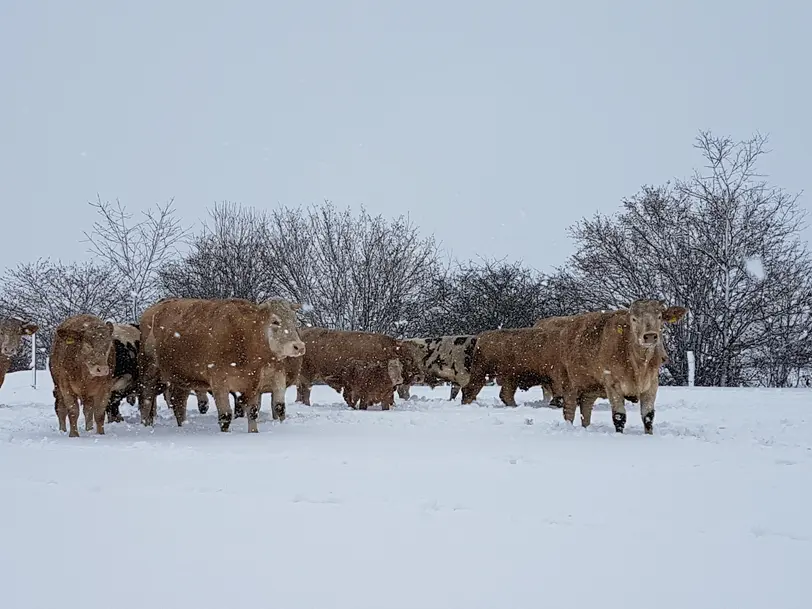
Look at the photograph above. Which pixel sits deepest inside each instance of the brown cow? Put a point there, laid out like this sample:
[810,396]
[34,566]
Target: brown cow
[517,358]
[330,351]
[615,355]
[367,383]
[11,331]
[82,363]
[217,345]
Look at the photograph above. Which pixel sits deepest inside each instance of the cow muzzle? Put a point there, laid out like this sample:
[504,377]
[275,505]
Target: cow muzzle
[7,351]
[650,339]
[295,349]
[98,370]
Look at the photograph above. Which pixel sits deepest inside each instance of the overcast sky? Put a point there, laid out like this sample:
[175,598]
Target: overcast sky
[495,125]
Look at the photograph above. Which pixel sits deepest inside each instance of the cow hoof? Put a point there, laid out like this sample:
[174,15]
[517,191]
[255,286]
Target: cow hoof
[203,408]
[648,422]
[619,419]
[73,434]
[239,413]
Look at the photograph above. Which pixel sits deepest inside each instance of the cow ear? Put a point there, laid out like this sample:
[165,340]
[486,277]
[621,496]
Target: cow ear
[674,314]
[29,328]
[296,306]
[110,327]
[68,335]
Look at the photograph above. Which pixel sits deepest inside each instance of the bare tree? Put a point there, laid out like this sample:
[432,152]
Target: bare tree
[228,258]
[357,272]
[491,294]
[135,250]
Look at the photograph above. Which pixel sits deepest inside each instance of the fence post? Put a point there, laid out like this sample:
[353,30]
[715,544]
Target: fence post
[691,368]
[34,358]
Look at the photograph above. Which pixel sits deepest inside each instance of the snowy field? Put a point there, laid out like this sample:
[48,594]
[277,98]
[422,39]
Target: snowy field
[432,505]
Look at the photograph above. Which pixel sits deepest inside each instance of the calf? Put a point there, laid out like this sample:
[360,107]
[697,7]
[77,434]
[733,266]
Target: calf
[330,351]
[615,355]
[444,359]
[11,332]
[367,383]
[221,346]
[82,362]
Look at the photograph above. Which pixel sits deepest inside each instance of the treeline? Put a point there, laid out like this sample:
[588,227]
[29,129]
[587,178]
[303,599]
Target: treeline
[723,242]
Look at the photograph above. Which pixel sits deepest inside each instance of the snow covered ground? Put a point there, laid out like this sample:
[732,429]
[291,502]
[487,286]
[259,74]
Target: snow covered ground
[431,505]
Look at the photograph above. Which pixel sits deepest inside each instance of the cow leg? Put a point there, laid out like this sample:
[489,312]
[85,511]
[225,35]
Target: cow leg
[303,391]
[178,396]
[350,397]
[202,401]
[72,406]
[279,386]
[618,403]
[472,389]
[223,403]
[388,402]
[455,389]
[585,405]
[251,403]
[99,411]
[131,399]
[61,411]
[547,394]
[239,402]
[647,409]
[147,396]
[87,411]
[113,411]
[508,391]
[403,391]
[570,399]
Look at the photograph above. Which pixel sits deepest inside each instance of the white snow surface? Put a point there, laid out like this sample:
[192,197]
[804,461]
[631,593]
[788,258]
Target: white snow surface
[431,505]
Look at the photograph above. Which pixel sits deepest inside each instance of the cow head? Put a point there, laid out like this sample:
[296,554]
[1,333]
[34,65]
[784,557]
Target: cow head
[280,328]
[94,341]
[11,331]
[395,369]
[411,358]
[646,318]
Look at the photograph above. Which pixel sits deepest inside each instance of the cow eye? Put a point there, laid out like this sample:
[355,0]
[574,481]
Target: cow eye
[276,323]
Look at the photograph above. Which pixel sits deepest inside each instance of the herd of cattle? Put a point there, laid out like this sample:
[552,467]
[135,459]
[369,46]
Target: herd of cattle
[239,349]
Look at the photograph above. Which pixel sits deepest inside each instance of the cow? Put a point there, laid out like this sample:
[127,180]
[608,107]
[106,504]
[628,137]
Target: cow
[615,355]
[329,352]
[518,358]
[366,383]
[444,359]
[126,338]
[217,345]
[11,331]
[82,362]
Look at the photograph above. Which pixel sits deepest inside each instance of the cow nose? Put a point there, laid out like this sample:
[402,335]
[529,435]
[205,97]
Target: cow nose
[650,337]
[99,370]
[299,348]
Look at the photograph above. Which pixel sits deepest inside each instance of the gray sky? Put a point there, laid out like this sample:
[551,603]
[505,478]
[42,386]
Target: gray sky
[495,125]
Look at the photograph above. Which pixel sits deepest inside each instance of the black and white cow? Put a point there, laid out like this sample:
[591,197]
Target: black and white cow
[444,359]
[126,339]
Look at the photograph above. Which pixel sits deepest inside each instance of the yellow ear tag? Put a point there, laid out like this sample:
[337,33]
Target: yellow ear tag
[69,341]
[620,329]
[673,320]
